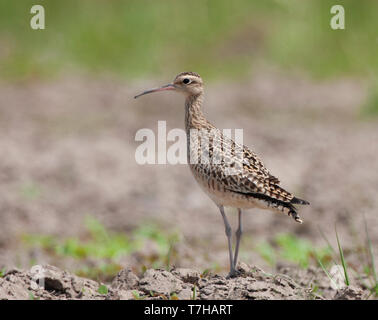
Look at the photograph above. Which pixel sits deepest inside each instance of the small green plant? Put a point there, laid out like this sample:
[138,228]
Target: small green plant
[2,272]
[174,296]
[103,289]
[214,268]
[326,272]
[371,269]
[342,259]
[341,254]
[205,272]
[194,296]
[137,296]
[32,296]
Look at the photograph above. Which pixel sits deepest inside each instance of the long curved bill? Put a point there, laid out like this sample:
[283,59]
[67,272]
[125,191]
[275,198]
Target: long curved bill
[169,86]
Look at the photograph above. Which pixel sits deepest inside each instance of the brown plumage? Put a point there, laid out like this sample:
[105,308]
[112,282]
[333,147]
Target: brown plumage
[231,174]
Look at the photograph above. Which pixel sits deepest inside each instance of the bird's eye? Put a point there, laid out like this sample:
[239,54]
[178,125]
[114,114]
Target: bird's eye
[186,81]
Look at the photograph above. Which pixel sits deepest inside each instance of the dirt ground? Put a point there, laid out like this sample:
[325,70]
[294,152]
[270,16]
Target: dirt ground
[70,143]
[177,284]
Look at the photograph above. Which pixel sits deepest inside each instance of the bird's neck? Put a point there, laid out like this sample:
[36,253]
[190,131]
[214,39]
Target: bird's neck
[194,117]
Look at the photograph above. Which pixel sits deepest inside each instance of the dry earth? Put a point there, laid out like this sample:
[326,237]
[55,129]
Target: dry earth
[178,284]
[71,142]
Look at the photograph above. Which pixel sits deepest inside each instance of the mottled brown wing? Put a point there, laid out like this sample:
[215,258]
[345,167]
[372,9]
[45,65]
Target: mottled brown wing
[255,182]
[240,170]
[254,162]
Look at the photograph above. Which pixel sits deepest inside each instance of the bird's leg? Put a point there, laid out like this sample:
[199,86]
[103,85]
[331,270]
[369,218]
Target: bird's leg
[238,233]
[229,235]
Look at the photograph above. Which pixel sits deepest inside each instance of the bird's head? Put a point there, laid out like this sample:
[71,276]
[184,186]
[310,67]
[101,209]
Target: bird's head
[188,83]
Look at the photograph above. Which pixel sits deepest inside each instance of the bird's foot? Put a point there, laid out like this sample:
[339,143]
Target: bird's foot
[233,274]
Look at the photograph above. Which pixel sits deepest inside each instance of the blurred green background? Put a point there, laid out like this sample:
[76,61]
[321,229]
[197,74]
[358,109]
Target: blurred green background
[219,38]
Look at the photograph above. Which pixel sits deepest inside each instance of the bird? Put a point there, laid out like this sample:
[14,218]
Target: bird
[249,185]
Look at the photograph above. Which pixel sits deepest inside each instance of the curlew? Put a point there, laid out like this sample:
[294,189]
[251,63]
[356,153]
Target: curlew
[229,173]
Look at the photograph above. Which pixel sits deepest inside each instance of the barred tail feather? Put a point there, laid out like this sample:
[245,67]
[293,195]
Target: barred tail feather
[299,201]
